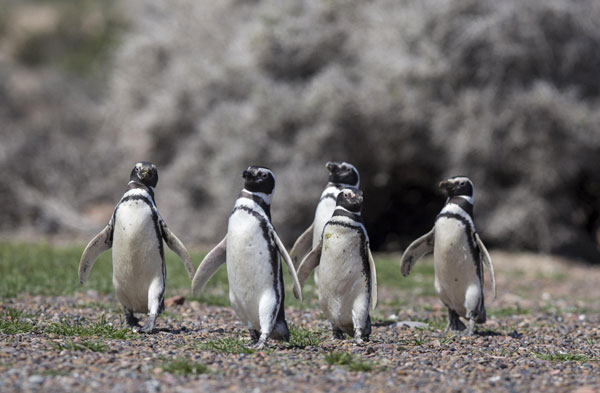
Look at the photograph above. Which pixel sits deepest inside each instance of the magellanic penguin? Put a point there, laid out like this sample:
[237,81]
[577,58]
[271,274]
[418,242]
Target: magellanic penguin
[348,279]
[341,174]
[458,256]
[252,251]
[136,232]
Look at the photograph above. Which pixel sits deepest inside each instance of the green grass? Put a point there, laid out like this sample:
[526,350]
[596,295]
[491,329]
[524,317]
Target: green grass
[226,345]
[562,357]
[349,361]
[89,346]
[509,311]
[301,338]
[12,322]
[181,366]
[41,269]
[100,328]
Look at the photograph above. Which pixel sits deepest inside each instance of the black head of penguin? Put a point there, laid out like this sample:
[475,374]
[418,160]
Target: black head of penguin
[350,199]
[457,185]
[343,173]
[259,179]
[144,172]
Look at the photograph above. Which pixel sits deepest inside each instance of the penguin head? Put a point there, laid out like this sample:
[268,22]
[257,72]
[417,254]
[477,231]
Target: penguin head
[259,179]
[350,199]
[343,173]
[458,186]
[144,172]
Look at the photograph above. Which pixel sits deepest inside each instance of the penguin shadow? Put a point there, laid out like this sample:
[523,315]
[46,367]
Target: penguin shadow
[169,330]
[490,333]
[384,323]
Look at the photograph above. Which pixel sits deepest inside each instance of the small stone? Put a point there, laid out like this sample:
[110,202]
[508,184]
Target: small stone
[36,380]
[175,300]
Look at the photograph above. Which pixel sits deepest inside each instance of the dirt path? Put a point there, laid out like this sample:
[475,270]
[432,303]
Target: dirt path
[543,334]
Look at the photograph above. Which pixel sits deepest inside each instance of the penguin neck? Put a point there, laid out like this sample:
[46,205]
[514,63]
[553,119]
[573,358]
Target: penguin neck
[260,198]
[343,212]
[462,201]
[132,185]
[341,186]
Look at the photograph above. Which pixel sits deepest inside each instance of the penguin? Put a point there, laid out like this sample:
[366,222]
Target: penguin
[341,175]
[251,251]
[348,280]
[458,257]
[135,233]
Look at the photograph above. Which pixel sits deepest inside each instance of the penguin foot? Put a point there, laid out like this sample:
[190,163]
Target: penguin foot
[149,325]
[471,328]
[454,322]
[261,341]
[337,333]
[131,321]
[254,335]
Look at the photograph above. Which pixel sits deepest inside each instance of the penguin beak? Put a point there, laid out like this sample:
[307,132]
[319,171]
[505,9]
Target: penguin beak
[143,173]
[445,185]
[249,173]
[331,166]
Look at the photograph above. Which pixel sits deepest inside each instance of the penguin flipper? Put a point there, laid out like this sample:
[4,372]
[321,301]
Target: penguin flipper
[373,280]
[177,246]
[487,261]
[100,243]
[290,265]
[302,246]
[309,263]
[209,266]
[418,248]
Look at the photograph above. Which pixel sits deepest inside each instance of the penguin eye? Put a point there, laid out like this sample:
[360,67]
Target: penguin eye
[462,183]
[344,167]
[264,175]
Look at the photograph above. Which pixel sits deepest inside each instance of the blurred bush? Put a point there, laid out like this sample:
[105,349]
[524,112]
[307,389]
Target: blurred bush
[409,91]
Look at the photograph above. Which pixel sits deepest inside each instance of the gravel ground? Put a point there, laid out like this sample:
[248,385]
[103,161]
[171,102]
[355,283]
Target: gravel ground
[543,334]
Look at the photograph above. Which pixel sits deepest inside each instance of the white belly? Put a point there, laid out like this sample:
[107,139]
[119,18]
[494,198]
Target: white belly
[456,280]
[323,213]
[137,260]
[249,268]
[342,278]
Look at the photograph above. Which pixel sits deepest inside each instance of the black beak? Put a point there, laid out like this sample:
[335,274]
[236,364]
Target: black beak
[445,185]
[246,174]
[331,166]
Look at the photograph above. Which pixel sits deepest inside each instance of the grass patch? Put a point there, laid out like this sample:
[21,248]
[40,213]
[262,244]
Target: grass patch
[183,366]
[301,338]
[509,311]
[40,269]
[562,357]
[349,361]
[11,322]
[97,329]
[54,373]
[89,346]
[226,345]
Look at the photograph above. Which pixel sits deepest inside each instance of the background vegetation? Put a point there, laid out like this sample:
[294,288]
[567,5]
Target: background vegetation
[410,91]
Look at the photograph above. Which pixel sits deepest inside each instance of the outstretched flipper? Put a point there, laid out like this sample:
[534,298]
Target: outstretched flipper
[373,280]
[177,246]
[302,246]
[286,257]
[418,248]
[209,266]
[487,261]
[100,243]
[309,263]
